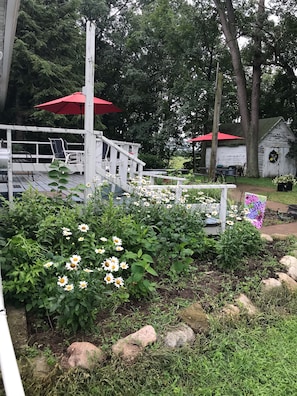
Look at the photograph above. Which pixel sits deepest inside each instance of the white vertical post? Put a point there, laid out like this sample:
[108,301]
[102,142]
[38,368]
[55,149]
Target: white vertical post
[223,208]
[8,363]
[90,137]
[9,166]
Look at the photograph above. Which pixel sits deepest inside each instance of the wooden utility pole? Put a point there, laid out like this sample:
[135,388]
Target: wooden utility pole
[215,125]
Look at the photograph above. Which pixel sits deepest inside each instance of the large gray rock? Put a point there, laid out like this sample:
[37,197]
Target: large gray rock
[244,302]
[289,282]
[84,354]
[183,335]
[270,284]
[195,317]
[230,311]
[130,347]
[267,237]
[288,261]
[17,323]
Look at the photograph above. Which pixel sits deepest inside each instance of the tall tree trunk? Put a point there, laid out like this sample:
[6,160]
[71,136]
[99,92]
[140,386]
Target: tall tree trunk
[249,119]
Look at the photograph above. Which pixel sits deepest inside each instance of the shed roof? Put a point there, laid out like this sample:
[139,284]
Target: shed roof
[265,126]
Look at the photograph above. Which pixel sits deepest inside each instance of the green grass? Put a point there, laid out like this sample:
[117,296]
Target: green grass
[255,359]
[287,198]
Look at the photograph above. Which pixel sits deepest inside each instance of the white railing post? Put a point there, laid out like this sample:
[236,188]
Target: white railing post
[9,368]
[223,208]
[9,166]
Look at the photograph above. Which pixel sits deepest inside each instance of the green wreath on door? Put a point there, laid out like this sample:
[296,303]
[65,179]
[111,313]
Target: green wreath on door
[273,156]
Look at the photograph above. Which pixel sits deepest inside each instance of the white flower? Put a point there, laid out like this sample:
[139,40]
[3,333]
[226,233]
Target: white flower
[114,267]
[72,266]
[83,284]
[75,259]
[83,228]
[109,278]
[229,222]
[69,287]
[116,240]
[62,281]
[106,265]
[68,237]
[48,264]
[119,248]
[80,239]
[103,239]
[66,231]
[119,282]
[88,270]
[124,265]
[100,251]
[88,185]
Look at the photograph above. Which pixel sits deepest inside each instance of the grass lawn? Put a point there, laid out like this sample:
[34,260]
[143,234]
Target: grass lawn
[287,198]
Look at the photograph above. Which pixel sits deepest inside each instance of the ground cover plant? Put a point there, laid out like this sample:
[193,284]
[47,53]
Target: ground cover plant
[100,271]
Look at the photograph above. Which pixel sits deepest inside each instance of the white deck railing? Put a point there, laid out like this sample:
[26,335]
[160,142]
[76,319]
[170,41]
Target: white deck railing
[180,187]
[116,161]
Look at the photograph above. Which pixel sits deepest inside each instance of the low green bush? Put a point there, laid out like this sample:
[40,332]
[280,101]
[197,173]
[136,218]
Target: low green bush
[240,240]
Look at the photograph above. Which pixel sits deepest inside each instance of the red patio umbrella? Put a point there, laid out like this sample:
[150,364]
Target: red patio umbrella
[208,137]
[75,104]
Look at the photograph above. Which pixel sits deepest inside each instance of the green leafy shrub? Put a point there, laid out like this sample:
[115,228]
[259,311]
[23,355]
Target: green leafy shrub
[25,214]
[240,240]
[22,266]
[86,278]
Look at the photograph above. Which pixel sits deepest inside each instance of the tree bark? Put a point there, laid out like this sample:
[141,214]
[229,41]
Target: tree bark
[249,117]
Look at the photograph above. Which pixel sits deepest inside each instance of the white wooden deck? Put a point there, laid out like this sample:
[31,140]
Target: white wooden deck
[38,180]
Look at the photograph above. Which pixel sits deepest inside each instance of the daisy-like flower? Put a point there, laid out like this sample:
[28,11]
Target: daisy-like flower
[119,282]
[83,285]
[66,231]
[114,267]
[106,265]
[48,264]
[62,281]
[229,222]
[75,259]
[117,241]
[80,239]
[88,185]
[100,251]
[103,239]
[72,266]
[124,265]
[109,278]
[88,270]
[83,228]
[119,248]
[69,287]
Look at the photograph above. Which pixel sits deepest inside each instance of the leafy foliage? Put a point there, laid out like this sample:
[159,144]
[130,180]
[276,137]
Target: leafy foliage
[236,242]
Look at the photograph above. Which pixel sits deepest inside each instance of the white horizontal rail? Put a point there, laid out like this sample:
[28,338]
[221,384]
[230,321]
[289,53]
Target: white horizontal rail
[180,187]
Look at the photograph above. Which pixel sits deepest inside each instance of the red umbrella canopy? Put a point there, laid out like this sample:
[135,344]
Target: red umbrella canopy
[208,137]
[75,104]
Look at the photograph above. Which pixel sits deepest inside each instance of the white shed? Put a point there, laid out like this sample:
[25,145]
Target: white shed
[274,137]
